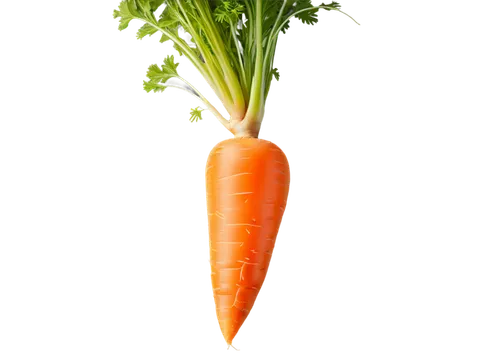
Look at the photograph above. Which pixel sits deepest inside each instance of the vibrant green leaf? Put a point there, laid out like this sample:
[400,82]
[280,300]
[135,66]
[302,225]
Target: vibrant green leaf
[332,3]
[229,11]
[146,30]
[153,86]
[274,77]
[169,66]
[129,10]
[306,12]
[124,13]
[196,114]
[156,75]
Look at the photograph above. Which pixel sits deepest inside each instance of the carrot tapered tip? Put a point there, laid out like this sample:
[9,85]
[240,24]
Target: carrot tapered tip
[233,347]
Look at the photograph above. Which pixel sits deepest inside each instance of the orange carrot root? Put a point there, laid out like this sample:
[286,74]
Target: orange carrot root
[247,189]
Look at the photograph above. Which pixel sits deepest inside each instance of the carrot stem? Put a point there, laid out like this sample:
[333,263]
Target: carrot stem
[255,111]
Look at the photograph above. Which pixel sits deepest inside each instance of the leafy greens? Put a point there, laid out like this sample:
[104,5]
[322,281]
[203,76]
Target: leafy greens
[233,43]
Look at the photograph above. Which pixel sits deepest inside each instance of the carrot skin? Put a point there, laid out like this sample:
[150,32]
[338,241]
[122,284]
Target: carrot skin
[247,183]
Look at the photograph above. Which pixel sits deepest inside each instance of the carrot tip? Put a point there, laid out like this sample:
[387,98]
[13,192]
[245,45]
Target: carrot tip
[233,347]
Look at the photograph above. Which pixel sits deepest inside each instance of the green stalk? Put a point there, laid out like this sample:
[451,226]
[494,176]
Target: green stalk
[240,60]
[248,52]
[280,15]
[221,54]
[271,42]
[223,90]
[271,49]
[213,79]
[255,111]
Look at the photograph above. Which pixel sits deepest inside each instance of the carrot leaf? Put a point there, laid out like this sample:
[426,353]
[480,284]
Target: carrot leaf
[306,12]
[146,30]
[195,114]
[274,77]
[229,11]
[156,75]
[124,14]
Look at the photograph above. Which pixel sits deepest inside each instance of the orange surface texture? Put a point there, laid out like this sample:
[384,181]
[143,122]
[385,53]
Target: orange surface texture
[247,187]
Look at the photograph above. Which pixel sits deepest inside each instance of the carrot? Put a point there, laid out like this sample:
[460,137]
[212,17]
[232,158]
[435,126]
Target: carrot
[247,188]
[247,178]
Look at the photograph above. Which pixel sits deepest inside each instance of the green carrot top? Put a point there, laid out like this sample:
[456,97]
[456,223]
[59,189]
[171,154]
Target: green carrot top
[232,44]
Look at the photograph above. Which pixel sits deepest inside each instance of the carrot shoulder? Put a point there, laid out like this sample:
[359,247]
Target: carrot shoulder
[247,187]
